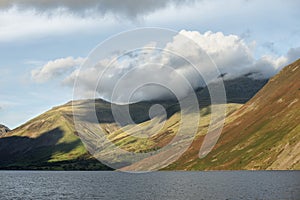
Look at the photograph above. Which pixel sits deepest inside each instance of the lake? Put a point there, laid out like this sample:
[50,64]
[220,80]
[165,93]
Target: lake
[154,185]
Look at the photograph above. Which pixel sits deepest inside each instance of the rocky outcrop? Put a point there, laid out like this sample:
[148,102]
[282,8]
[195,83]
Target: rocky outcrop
[3,130]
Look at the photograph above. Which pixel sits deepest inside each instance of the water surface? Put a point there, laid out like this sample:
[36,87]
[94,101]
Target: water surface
[156,185]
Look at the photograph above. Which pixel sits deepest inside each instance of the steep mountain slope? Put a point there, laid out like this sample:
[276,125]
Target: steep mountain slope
[263,134]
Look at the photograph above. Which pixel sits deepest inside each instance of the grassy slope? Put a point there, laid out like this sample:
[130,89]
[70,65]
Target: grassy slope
[263,134]
[46,142]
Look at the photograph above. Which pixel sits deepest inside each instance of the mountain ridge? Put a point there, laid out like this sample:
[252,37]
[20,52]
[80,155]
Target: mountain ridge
[51,141]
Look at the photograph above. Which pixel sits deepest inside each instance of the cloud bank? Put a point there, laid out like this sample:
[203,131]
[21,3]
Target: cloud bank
[124,8]
[231,54]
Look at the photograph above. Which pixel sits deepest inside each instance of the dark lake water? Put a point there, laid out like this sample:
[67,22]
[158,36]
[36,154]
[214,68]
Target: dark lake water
[156,185]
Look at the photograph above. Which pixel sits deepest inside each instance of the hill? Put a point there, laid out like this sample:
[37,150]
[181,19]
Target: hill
[46,142]
[50,140]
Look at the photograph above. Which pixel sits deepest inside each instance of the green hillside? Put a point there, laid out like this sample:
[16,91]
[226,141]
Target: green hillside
[46,142]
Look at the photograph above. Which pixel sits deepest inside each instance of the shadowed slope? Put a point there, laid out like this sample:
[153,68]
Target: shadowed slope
[46,142]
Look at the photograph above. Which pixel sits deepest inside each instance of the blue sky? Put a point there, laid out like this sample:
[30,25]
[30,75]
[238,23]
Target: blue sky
[34,33]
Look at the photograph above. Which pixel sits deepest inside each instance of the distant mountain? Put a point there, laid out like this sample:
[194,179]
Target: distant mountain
[3,130]
[50,141]
[238,90]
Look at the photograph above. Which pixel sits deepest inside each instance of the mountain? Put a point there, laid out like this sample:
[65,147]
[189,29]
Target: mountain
[3,130]
[238,90]
[50,140]
[262,134]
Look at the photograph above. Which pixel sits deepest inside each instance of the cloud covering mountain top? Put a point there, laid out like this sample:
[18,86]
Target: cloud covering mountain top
[231,54]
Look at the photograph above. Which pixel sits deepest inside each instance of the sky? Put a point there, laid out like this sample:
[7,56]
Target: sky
[44,43]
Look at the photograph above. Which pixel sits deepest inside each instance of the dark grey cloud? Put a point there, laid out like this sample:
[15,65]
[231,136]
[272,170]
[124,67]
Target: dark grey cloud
[127,8]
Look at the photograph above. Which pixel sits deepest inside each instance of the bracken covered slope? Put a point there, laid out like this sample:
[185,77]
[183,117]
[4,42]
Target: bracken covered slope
[262,134]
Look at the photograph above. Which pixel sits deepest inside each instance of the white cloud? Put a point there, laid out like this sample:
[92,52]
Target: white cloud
[230,53]
[235,57]
[55,68]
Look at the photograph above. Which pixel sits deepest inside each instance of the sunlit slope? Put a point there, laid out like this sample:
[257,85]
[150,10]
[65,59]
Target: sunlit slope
[46,142]
[263,134]
[50,140]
